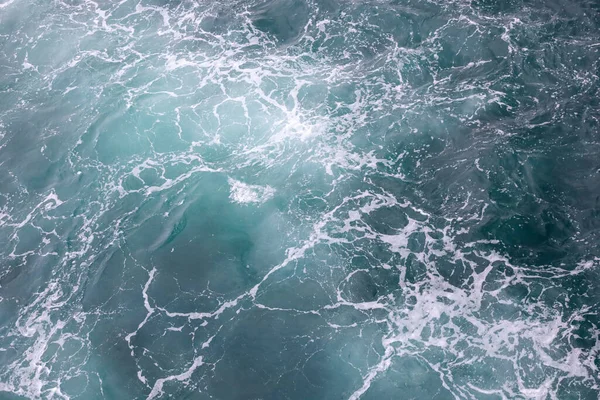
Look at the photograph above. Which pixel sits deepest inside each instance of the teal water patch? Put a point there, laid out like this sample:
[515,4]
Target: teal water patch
[299,199]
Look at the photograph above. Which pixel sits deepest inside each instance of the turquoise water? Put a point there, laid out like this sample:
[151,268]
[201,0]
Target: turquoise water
[299,199]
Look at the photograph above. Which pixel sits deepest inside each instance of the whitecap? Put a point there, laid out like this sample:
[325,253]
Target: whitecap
[244,193]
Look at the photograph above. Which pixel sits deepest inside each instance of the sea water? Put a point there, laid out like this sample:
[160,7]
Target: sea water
[299,199]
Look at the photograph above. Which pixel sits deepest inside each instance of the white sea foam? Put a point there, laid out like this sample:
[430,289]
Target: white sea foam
[244,193]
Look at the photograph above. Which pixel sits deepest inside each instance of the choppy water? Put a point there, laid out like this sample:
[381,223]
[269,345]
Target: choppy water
[299,199]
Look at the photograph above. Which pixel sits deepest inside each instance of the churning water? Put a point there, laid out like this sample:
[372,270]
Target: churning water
[299,199]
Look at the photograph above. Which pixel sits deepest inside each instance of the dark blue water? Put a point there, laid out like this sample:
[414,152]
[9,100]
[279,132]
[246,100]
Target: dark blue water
[293,199]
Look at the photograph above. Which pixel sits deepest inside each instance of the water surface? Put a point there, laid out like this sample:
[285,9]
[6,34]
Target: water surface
[299,199]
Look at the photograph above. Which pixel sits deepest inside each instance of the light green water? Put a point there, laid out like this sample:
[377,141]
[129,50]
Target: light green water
[296,199]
